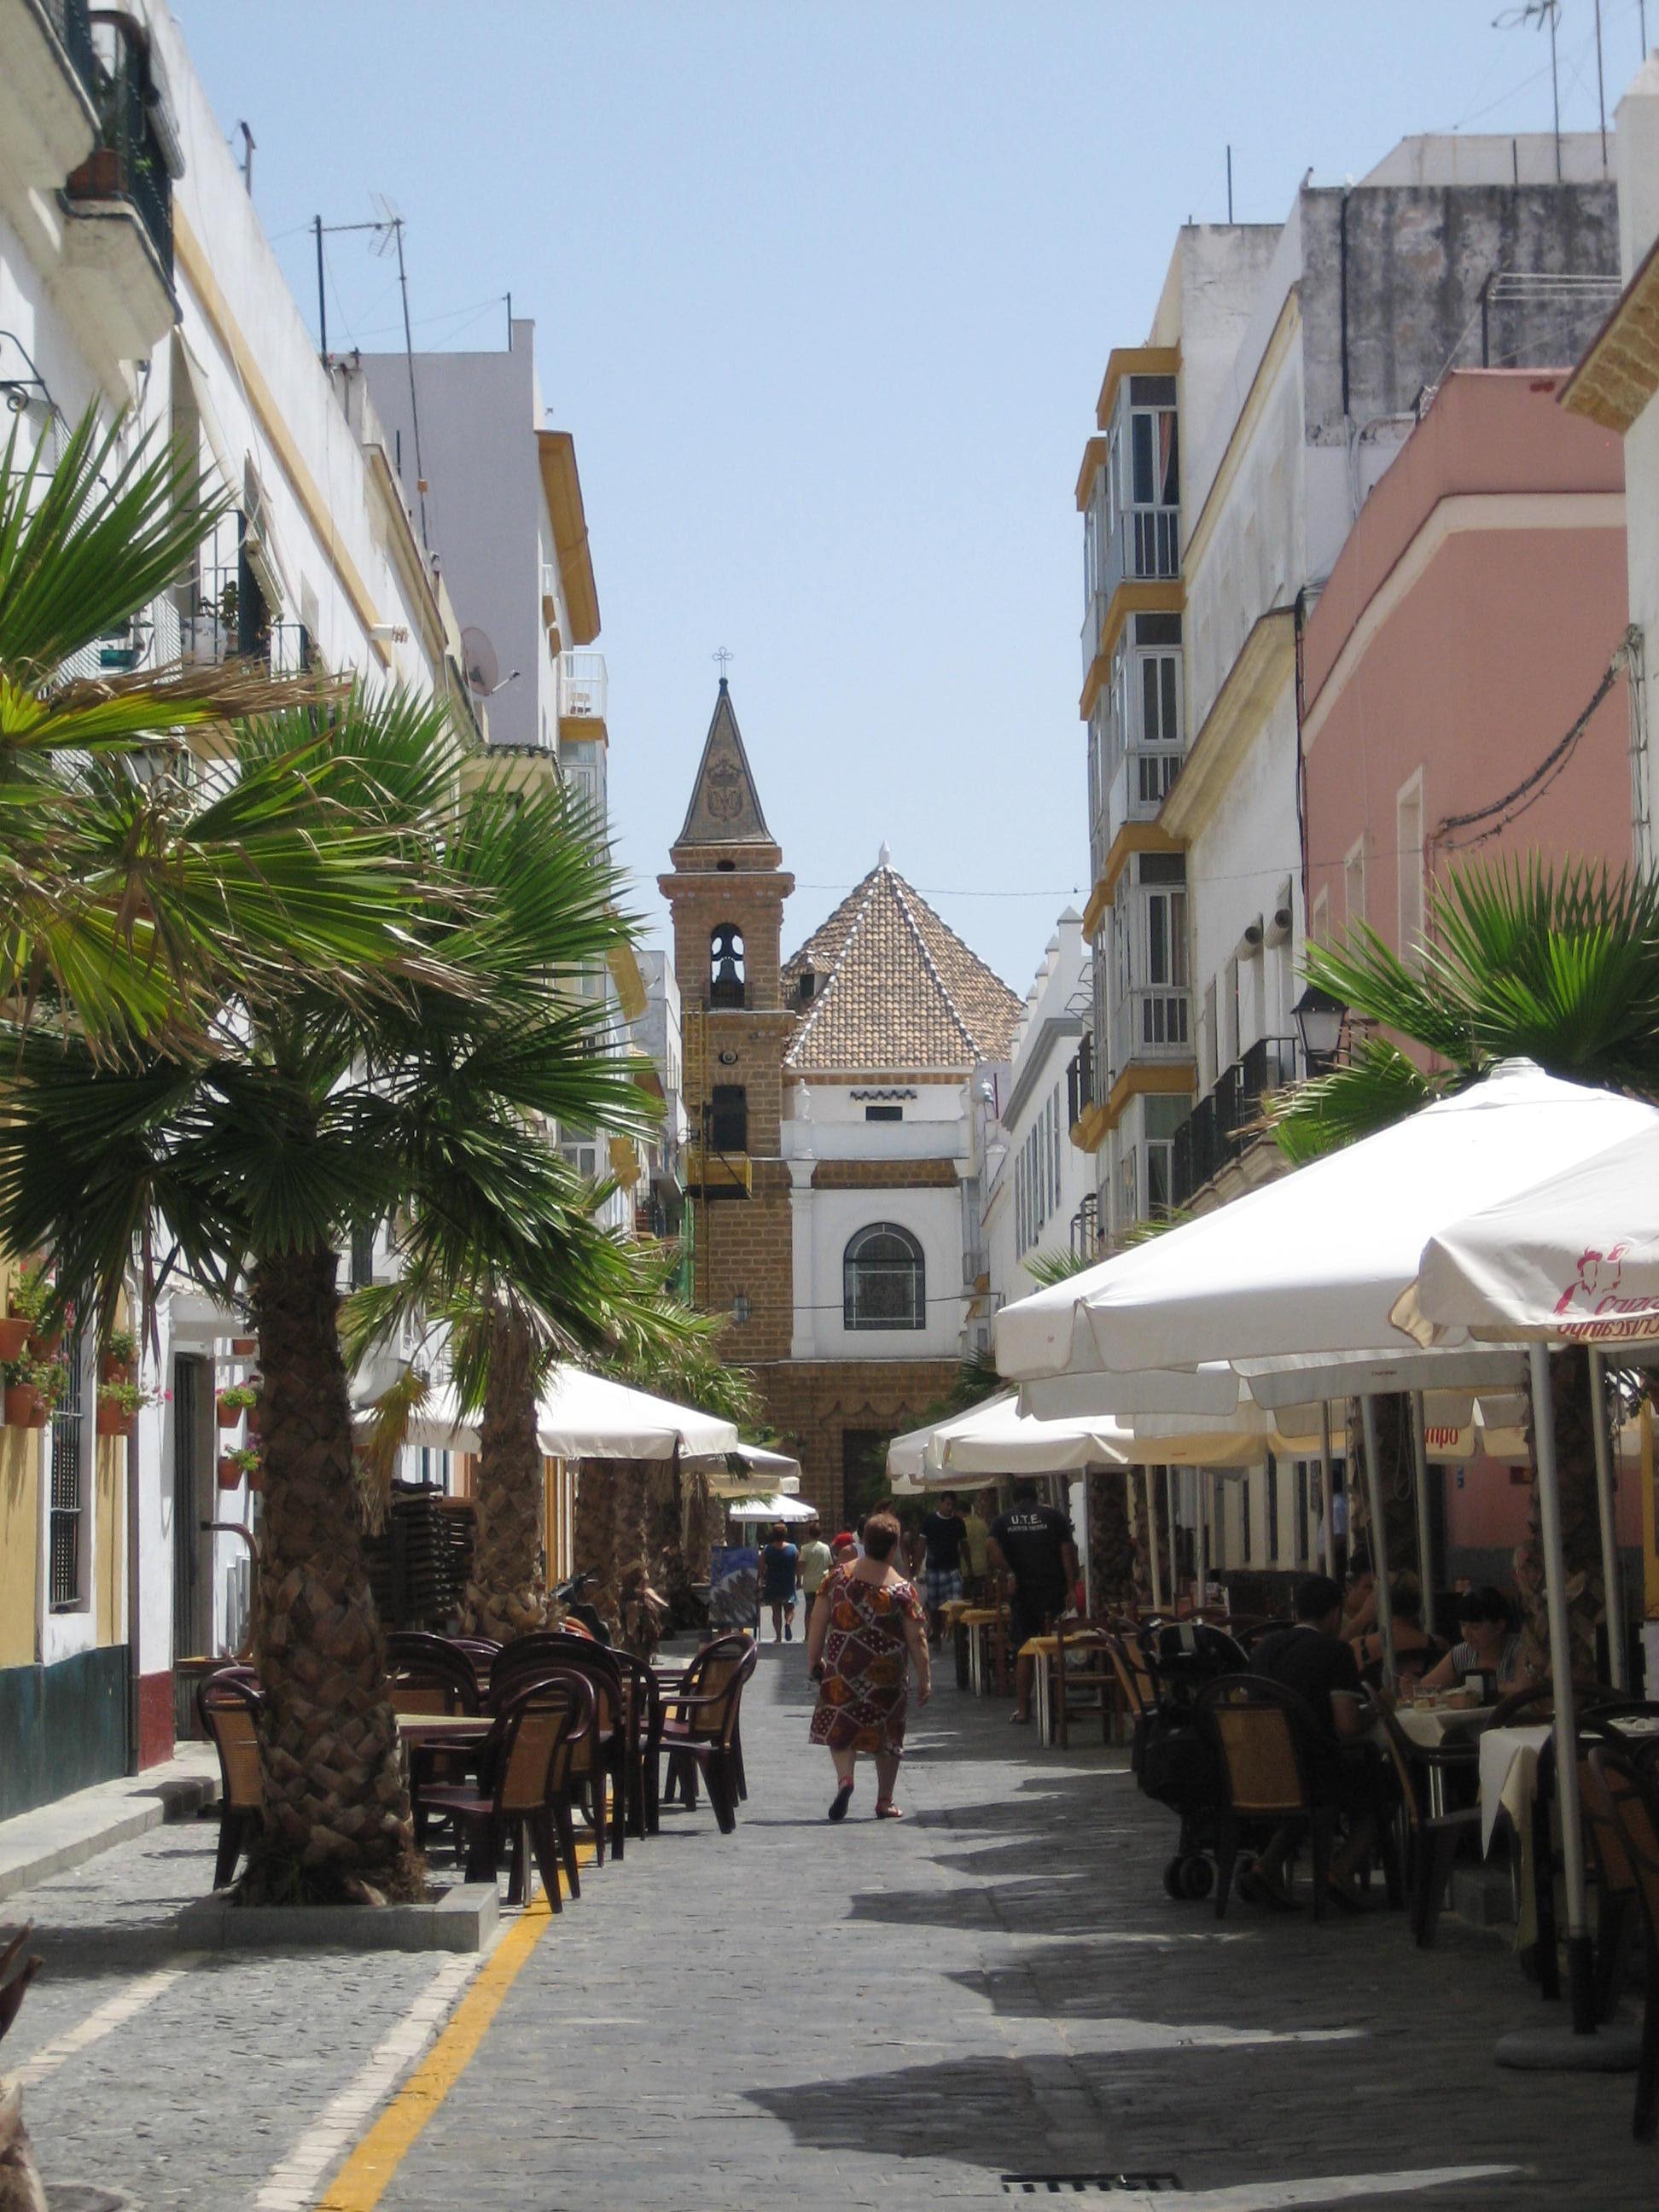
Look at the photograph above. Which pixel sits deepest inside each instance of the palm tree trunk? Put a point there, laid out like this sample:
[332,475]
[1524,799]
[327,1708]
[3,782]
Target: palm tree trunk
[1111,1545]
[1580,1528]
[508,1593]
[336,1806]
[1397,1475]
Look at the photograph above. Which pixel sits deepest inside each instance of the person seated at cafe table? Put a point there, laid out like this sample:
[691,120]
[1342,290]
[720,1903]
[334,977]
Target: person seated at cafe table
[1414,1649]
[1359,1598]
[1344,1766]
[1488,1643]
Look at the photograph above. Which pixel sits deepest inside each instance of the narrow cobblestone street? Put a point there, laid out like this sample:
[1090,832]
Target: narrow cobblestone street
[811,2015]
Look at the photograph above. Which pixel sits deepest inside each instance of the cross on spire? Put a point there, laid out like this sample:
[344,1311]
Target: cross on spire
[722,660]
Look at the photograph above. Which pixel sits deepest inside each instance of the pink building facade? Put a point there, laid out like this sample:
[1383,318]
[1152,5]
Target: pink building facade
[1466,626]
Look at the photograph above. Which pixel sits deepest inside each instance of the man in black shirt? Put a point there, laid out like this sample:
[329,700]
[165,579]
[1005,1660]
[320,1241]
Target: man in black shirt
[1031,1547]
[945,1534]
[1343,1767]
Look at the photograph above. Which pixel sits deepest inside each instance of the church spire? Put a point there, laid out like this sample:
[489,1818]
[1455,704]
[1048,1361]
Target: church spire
[726,808]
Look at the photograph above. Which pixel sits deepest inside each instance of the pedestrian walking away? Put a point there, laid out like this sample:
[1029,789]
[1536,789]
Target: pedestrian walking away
[778,1564]
[1032,1547]
[945,1537]
[812,1565]
[867,1632]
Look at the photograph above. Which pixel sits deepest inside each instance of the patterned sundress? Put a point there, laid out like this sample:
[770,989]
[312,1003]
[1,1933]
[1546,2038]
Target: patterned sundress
[867,1667]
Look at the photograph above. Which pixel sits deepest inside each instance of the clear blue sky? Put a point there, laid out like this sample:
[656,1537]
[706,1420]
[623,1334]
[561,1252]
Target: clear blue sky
[824,288]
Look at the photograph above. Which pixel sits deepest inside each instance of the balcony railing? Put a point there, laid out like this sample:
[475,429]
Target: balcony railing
[72,22]
[1094,624]
[128,163]
[1224,1126]
[1145,546]
[584,687]
[1151,1024]
[1146,776]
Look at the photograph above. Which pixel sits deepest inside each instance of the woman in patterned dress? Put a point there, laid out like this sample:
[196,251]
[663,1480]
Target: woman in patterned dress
[866,1631]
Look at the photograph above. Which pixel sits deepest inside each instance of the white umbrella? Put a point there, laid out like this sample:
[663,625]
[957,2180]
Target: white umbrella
[583,1416]
[1314,1261]
[777,1508]
[1572,1259]
[780,1469]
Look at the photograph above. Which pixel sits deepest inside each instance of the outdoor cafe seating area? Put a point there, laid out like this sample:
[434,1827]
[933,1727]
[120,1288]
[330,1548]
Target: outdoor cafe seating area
[519,1753]
[1445,1262]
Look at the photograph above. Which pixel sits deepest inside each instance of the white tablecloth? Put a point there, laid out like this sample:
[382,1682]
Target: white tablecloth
[1430,1725]
[1509,1775]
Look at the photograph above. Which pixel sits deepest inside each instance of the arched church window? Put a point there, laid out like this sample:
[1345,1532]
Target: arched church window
[726,976]
[883,1279]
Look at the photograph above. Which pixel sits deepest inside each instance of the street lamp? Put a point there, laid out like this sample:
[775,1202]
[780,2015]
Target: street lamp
[1320,1017]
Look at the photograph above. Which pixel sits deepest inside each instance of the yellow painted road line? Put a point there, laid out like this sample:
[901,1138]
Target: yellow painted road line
[363,2179]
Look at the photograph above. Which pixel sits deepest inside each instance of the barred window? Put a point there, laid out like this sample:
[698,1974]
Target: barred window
[884,1280]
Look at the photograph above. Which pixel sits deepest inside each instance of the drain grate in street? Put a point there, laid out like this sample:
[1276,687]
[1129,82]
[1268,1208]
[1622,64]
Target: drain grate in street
[1087,2184]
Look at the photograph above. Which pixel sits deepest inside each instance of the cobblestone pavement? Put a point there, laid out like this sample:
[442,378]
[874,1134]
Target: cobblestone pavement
[802,2015]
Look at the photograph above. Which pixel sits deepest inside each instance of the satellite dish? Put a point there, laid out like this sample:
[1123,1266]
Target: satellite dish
[484,670]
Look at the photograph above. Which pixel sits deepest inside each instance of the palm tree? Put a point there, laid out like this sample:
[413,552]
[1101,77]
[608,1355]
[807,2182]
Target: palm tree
[321,1110]
[134,897]
[1559,965]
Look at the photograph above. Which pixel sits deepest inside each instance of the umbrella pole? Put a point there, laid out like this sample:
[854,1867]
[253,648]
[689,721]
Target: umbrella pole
[1379,1537]
[1151,1539]
[1580,1976]
[1425,1534]
[1202,1535]
[1614,1596]
[1580,2048]
[1175,1548]
[1329,1494]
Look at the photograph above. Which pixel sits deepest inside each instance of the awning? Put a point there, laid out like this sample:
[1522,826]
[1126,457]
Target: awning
[777,1508]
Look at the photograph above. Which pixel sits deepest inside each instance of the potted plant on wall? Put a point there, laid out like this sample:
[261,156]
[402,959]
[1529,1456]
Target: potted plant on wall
[238,1398]
[32,1389]
[121,1402]
[30,1302]
[239,1465]
[116,1357]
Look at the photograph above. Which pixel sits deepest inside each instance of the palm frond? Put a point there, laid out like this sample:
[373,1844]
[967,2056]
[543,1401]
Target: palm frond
[1377,1087]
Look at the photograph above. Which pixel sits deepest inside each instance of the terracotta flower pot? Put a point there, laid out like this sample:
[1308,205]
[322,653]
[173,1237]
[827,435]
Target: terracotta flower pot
[25,1407]
[45,1347]
[230,1475]
[111,1370]
[14,1337]
[229,1415]
[257,1480]
[253,1420]
[114,1421]
[244,1348]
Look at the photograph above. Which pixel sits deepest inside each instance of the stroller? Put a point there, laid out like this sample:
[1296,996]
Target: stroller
[1173,1758]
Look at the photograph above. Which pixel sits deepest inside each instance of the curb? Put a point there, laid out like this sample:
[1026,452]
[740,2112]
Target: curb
[462,1918]
[179,1798]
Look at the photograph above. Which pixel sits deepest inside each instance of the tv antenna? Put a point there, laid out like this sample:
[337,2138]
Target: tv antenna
[1538,13]
[387,226]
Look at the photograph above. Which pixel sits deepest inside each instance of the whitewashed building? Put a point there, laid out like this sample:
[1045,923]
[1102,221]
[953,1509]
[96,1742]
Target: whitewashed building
[1038,1190]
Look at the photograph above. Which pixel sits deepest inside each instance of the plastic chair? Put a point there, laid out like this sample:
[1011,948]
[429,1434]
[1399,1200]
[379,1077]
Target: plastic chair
[1434,1837]
[1630,1801]
[700,1727]
[604,1760]
[227,1704]
[1259,1729]
[532,1765]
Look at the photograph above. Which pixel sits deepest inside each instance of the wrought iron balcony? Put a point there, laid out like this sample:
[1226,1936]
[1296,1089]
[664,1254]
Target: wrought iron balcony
[129,163]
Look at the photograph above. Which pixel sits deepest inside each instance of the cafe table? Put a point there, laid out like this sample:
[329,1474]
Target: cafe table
[980,1622]
[1439,1726]
[1509,1784]
[1044,1651]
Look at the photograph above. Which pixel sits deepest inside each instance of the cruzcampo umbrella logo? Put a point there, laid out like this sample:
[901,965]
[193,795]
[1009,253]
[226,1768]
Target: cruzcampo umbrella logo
[1599,1300]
